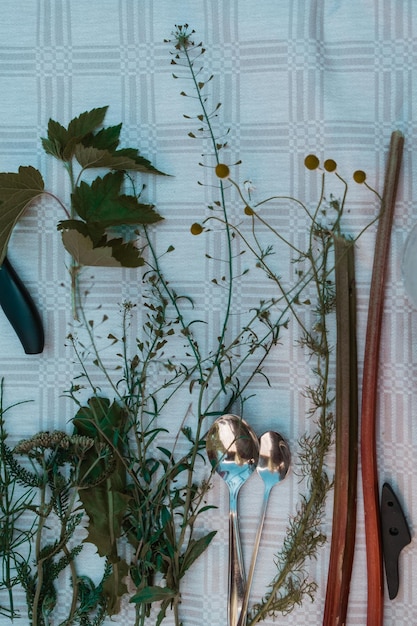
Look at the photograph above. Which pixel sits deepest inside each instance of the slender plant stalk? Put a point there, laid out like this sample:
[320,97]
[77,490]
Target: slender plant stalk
[44,511]
[346,428]
[370,390]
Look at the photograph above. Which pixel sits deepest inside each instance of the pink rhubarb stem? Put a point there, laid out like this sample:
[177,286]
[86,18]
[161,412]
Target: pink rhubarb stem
[370,387]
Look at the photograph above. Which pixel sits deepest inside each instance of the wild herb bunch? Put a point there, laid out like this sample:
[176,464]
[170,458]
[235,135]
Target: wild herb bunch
[309,299]
[50,468]
[143,503]
[15,534]
[159,493]
[136,485]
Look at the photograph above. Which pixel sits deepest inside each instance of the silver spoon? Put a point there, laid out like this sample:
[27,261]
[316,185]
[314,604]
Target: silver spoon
[233,450]
[273,464]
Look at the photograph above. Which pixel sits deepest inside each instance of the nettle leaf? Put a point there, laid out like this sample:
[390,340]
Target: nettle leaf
[142,164]
[61,141]
[17,192]
[57,139]
[96,232]
[89,156]
[87,122]
[126,253]
[102,202]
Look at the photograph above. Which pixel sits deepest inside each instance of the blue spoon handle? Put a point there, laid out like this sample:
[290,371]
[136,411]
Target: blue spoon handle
[20,310]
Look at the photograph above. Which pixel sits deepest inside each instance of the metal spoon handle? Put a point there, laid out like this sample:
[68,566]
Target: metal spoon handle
[236,564]
[243,614]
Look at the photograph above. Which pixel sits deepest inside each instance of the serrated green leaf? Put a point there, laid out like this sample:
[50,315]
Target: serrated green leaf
[83,251]
[86,123]
[17,192]
[101,202]
[104,139]
[57,139]
[77,225]
[142,164]
[152,594]
[52,146]
[61,141]
[88,245]
[92,157]
[126,253]
[93,230]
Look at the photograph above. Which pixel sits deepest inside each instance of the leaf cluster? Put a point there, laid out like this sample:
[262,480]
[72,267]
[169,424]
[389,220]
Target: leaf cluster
[96,209]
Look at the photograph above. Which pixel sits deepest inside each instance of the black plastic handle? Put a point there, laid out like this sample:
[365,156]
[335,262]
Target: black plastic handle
[395,536]
[20,310]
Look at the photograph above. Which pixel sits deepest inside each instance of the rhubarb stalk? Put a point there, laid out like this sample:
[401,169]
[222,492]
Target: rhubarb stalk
[346,470]
[369,387]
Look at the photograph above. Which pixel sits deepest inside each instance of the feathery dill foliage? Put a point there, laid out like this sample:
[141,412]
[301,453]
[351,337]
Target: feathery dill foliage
[314,277]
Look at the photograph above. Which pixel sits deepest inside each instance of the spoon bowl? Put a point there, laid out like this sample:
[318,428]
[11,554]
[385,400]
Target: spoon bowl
[273,465]
[233,450]
[274,458]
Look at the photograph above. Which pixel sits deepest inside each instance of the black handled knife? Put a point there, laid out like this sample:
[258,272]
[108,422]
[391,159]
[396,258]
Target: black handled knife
[395,536]
[20,310]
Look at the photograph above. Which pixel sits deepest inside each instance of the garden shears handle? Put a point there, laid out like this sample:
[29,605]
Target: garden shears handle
[20,310]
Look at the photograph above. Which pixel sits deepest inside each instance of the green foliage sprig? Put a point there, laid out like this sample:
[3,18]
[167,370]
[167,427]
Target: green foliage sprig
[15,534]
[97,211]
[48,466]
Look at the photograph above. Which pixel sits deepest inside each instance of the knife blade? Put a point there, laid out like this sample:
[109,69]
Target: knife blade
[20,310]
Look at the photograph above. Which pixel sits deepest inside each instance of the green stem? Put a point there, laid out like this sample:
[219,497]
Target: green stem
[74,266]
[225,216]
[43,512]
[74,584]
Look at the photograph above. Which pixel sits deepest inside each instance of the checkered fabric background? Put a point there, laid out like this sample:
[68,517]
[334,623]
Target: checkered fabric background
[333,78]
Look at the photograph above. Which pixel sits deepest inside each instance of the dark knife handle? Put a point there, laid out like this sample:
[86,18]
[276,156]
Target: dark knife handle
[20,310]
[395,536]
